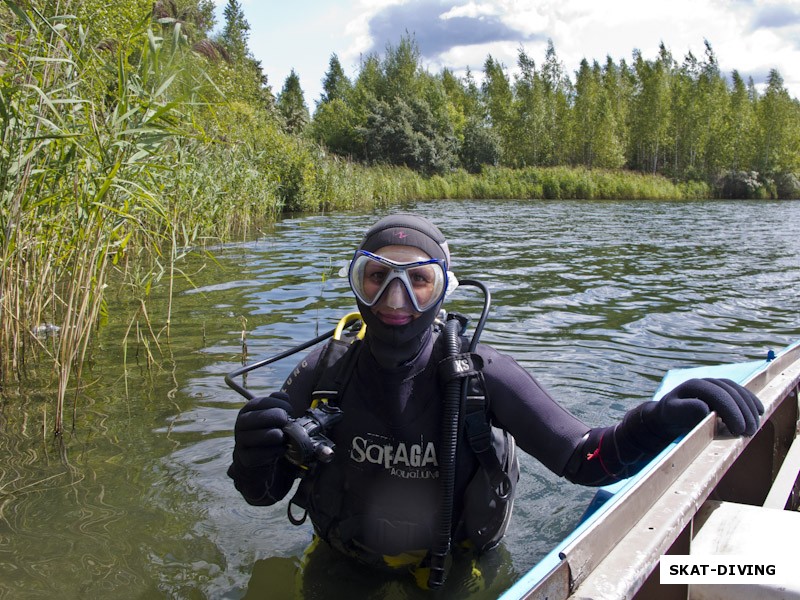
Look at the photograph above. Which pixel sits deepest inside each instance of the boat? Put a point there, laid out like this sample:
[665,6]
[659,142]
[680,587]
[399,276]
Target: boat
[707,493]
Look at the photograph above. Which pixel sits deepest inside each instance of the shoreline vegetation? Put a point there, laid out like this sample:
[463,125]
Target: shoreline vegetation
[132,136]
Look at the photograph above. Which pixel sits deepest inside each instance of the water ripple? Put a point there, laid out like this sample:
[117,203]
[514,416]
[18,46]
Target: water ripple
[595,299]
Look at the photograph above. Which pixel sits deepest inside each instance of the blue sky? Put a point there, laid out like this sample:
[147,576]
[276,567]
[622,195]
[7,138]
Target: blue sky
[752,36]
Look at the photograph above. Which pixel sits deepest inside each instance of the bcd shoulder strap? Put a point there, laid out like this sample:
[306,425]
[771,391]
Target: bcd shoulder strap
[334,369]
[477,425]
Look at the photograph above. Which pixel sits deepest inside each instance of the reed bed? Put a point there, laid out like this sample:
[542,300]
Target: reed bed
[105,174]
[559,183]
[72,188]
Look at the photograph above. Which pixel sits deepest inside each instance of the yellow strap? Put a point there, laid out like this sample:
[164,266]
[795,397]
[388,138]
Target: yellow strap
[337,335]
[421,576]
[406,559]
[347,320]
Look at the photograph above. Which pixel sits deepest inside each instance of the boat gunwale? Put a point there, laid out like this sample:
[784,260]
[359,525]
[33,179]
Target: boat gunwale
[645,517]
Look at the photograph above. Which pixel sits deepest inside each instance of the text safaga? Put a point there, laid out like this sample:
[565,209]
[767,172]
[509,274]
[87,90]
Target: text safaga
[408,461]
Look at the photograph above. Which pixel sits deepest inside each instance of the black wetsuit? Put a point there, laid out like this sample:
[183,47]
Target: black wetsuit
[380,493]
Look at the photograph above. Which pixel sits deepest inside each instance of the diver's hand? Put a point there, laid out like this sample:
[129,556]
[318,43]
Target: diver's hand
[259,430]
[681,409]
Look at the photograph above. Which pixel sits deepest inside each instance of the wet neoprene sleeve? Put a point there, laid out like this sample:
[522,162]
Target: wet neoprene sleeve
[608,454]
[561,441]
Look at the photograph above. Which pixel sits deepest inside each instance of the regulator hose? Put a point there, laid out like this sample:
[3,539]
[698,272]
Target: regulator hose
[447,470]
[454,397]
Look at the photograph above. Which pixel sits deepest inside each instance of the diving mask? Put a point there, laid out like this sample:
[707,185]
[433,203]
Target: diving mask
[425,281]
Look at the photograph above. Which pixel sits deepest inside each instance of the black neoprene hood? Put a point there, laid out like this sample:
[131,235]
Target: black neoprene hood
[407,230]
[393,345]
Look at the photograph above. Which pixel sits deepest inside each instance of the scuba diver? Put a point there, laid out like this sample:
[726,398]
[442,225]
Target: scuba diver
[404,431]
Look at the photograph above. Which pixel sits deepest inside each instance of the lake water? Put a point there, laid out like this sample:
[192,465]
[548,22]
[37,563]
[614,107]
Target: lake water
[596,299]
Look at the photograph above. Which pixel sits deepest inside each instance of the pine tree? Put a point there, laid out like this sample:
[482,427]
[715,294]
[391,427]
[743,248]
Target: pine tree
[335,84]
[236,31]
[292,105]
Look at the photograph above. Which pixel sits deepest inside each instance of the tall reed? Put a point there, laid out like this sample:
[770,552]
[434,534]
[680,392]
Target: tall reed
[82,173]
[117,159]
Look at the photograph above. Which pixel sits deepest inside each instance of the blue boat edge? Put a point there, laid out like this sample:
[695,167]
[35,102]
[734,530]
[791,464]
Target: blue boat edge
[607,496]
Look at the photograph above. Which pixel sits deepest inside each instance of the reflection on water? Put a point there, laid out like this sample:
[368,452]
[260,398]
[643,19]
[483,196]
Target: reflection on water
[596,299]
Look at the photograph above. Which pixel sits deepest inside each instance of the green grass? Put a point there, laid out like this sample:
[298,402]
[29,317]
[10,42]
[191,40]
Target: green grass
[540,183]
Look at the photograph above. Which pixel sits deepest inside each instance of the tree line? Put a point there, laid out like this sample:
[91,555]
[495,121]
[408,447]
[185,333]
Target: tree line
[685,120]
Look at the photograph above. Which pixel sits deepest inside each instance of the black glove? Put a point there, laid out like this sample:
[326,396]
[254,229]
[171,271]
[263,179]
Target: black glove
[259,430]
[610,453]
[681,409]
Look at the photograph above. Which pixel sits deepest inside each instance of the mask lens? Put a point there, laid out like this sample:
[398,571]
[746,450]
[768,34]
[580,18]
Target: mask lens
[424,281]
[375,275]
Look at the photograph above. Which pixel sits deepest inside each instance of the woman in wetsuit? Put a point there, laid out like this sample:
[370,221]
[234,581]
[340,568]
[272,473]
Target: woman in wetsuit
[377,499]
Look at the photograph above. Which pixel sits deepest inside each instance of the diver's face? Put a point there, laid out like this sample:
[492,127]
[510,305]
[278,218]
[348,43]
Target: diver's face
[394,306]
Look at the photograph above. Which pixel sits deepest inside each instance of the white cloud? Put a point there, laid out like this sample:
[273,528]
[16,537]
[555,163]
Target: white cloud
[595,29]
[471,10]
